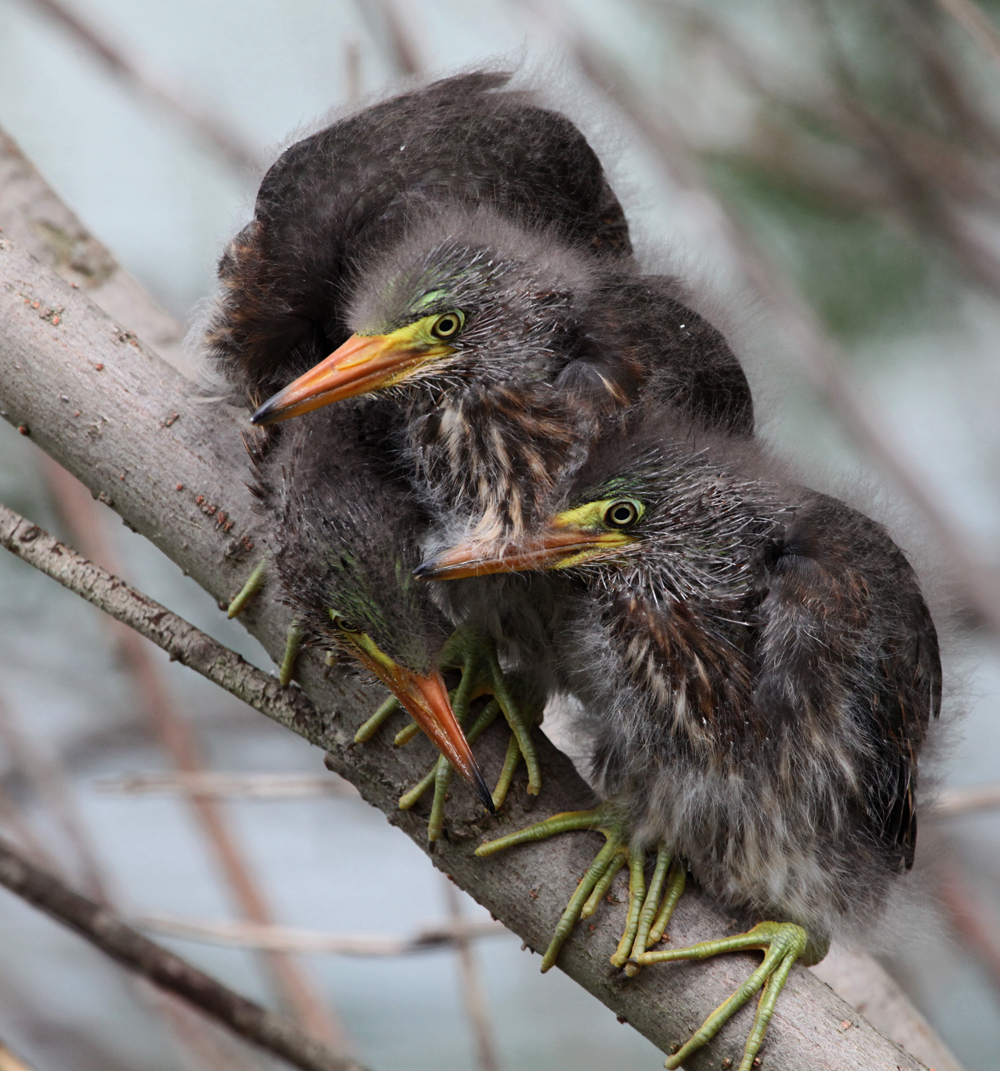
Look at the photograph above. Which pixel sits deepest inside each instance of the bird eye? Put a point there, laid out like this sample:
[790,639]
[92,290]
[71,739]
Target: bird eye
[447,325]
[346,625]
[622,514]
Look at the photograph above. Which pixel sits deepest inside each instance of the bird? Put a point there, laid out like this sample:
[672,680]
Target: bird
[348,575]
[758,670]
[337,200]
[506,352]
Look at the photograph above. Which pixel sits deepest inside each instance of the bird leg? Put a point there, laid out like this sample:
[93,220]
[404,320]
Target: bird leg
[254,583]
[782,944]
[649,909]
[293,638]
[475,654]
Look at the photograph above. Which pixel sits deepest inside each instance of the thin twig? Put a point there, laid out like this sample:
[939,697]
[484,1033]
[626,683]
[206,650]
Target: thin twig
[473,996]
[287,939]
[955,801]
[103,929]
[211,128]
[180,639]
[218,785]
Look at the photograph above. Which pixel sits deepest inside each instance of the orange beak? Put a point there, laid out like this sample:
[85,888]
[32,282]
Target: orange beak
[425,699]
[553,548]
[364,363]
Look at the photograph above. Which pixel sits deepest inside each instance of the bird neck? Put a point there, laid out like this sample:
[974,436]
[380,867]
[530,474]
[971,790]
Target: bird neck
[495,452]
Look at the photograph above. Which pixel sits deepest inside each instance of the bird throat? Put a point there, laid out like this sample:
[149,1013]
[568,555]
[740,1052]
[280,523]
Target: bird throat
[495,454]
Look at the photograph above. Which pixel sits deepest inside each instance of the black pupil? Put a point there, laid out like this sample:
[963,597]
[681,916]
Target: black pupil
[622,514]
[447,325]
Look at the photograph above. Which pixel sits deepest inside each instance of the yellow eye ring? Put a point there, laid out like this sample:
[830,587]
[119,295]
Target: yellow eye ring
[448,324]
[622,513]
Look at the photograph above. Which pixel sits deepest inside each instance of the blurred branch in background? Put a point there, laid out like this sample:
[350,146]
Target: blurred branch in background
[393,36]
[477,1008]
[126,946]
[972,919]
[208,127]
[820,356]
[46,779]
[287,939]
[48,783]
[153,697]
[259,786]
[978,26]
[10,1062]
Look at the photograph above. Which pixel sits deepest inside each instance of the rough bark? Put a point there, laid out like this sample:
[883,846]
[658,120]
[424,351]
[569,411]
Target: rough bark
[125,423]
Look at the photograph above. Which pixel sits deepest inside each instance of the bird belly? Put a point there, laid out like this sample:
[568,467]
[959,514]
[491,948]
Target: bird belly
[753,844]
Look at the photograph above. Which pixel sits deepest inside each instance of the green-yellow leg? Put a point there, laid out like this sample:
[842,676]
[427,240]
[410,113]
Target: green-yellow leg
[440,775]
[649,910]
[293,638]
[782,944]
[249,589]
[375,722]
[293,641]
[656,911]
[476,656]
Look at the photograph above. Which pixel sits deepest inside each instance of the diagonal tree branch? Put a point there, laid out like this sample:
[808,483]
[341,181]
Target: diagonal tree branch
[180,639]
[130,428]
[103,929]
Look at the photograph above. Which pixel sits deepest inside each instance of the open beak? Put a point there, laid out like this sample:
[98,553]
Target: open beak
[364,363]
[425,699]
[556,547]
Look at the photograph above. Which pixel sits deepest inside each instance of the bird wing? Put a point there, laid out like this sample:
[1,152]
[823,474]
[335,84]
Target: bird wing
[849,661]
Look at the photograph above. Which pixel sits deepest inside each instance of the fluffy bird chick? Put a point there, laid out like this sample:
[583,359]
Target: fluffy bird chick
[507,352]
[341,198]
[758,669]
[337,201]
[347,572]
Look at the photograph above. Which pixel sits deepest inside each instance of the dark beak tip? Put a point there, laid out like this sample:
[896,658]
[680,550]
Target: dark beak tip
[261,415]
[424,571]
[484,793]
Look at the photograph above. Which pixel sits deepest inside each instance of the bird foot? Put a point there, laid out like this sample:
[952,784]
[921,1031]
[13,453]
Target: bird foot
[649,910]
[293,639]
[782,944]
[440,774]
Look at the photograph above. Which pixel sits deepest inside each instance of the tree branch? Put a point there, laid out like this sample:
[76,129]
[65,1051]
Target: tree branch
[174,467]
[103,929]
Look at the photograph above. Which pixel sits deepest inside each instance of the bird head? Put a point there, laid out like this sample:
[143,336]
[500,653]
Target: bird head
[465,300]
[672,519]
